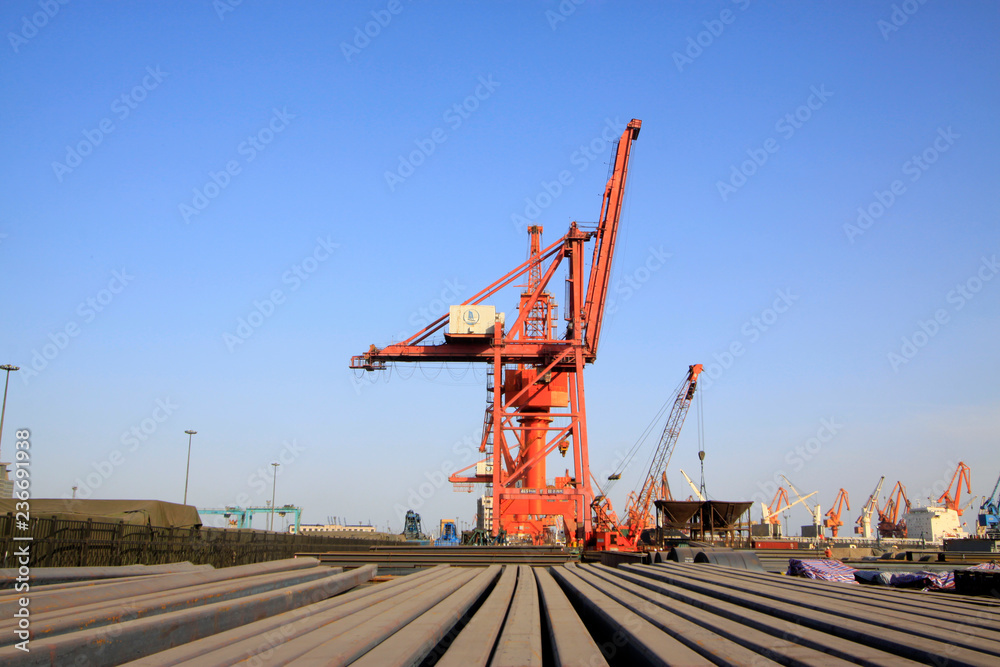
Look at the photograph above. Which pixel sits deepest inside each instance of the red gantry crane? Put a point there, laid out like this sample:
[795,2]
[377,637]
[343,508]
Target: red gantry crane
[535,391]
[833,521]
[963,474]
[890,523]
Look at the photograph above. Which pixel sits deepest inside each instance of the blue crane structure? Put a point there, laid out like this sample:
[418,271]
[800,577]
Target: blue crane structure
[989,513]
[244,515]
[449,535]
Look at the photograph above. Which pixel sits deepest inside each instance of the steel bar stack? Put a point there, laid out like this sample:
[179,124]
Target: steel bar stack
[300,612]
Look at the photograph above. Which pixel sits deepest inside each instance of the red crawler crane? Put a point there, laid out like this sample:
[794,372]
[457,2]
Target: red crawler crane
[638,508]
[833,521]
[535,403]
[963,474]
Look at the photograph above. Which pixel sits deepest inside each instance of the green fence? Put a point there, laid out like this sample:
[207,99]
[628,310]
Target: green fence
[69,543]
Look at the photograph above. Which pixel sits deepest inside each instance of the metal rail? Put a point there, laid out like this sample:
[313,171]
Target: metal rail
[410,558]
[512,614]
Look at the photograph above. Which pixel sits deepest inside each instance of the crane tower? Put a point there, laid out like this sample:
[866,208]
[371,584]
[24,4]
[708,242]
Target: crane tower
[535,391]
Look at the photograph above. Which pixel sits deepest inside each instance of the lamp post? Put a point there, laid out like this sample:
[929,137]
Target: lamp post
[187,471]
[8,368]
[274,485]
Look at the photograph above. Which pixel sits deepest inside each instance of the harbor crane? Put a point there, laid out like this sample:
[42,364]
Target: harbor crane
[815,510]
[963,474]
[864,522]
[535,391]
[988,521]
[769,513]
[832,520]
[890,523]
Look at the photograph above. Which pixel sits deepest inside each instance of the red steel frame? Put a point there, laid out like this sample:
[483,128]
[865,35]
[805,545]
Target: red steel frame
[537,404]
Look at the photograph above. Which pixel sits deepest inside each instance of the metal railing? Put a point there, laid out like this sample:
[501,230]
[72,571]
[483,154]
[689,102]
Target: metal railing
[71,543]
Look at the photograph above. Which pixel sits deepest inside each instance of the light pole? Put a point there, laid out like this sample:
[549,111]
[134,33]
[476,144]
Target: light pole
[274,485]
[187,471]
[8,368]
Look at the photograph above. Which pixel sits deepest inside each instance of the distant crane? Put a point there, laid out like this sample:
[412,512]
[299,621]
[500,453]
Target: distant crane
[412,529]
[890,523]
[815,511]
[833,521]
[864,522]
[988,522]
[242,517]
[638,514]
[769,513]
[697,492]
[963,474]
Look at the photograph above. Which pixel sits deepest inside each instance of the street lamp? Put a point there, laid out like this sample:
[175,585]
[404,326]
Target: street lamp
[187,472]
[8,368]
[274,485]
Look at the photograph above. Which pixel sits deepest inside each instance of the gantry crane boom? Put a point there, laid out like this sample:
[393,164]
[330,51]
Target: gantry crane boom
[604,248]
[637,511]
[535,400]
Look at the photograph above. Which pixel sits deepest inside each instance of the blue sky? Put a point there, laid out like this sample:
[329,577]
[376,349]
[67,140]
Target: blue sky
[175,169]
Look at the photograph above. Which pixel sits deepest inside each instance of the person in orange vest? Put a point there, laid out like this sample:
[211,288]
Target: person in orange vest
[828,553]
